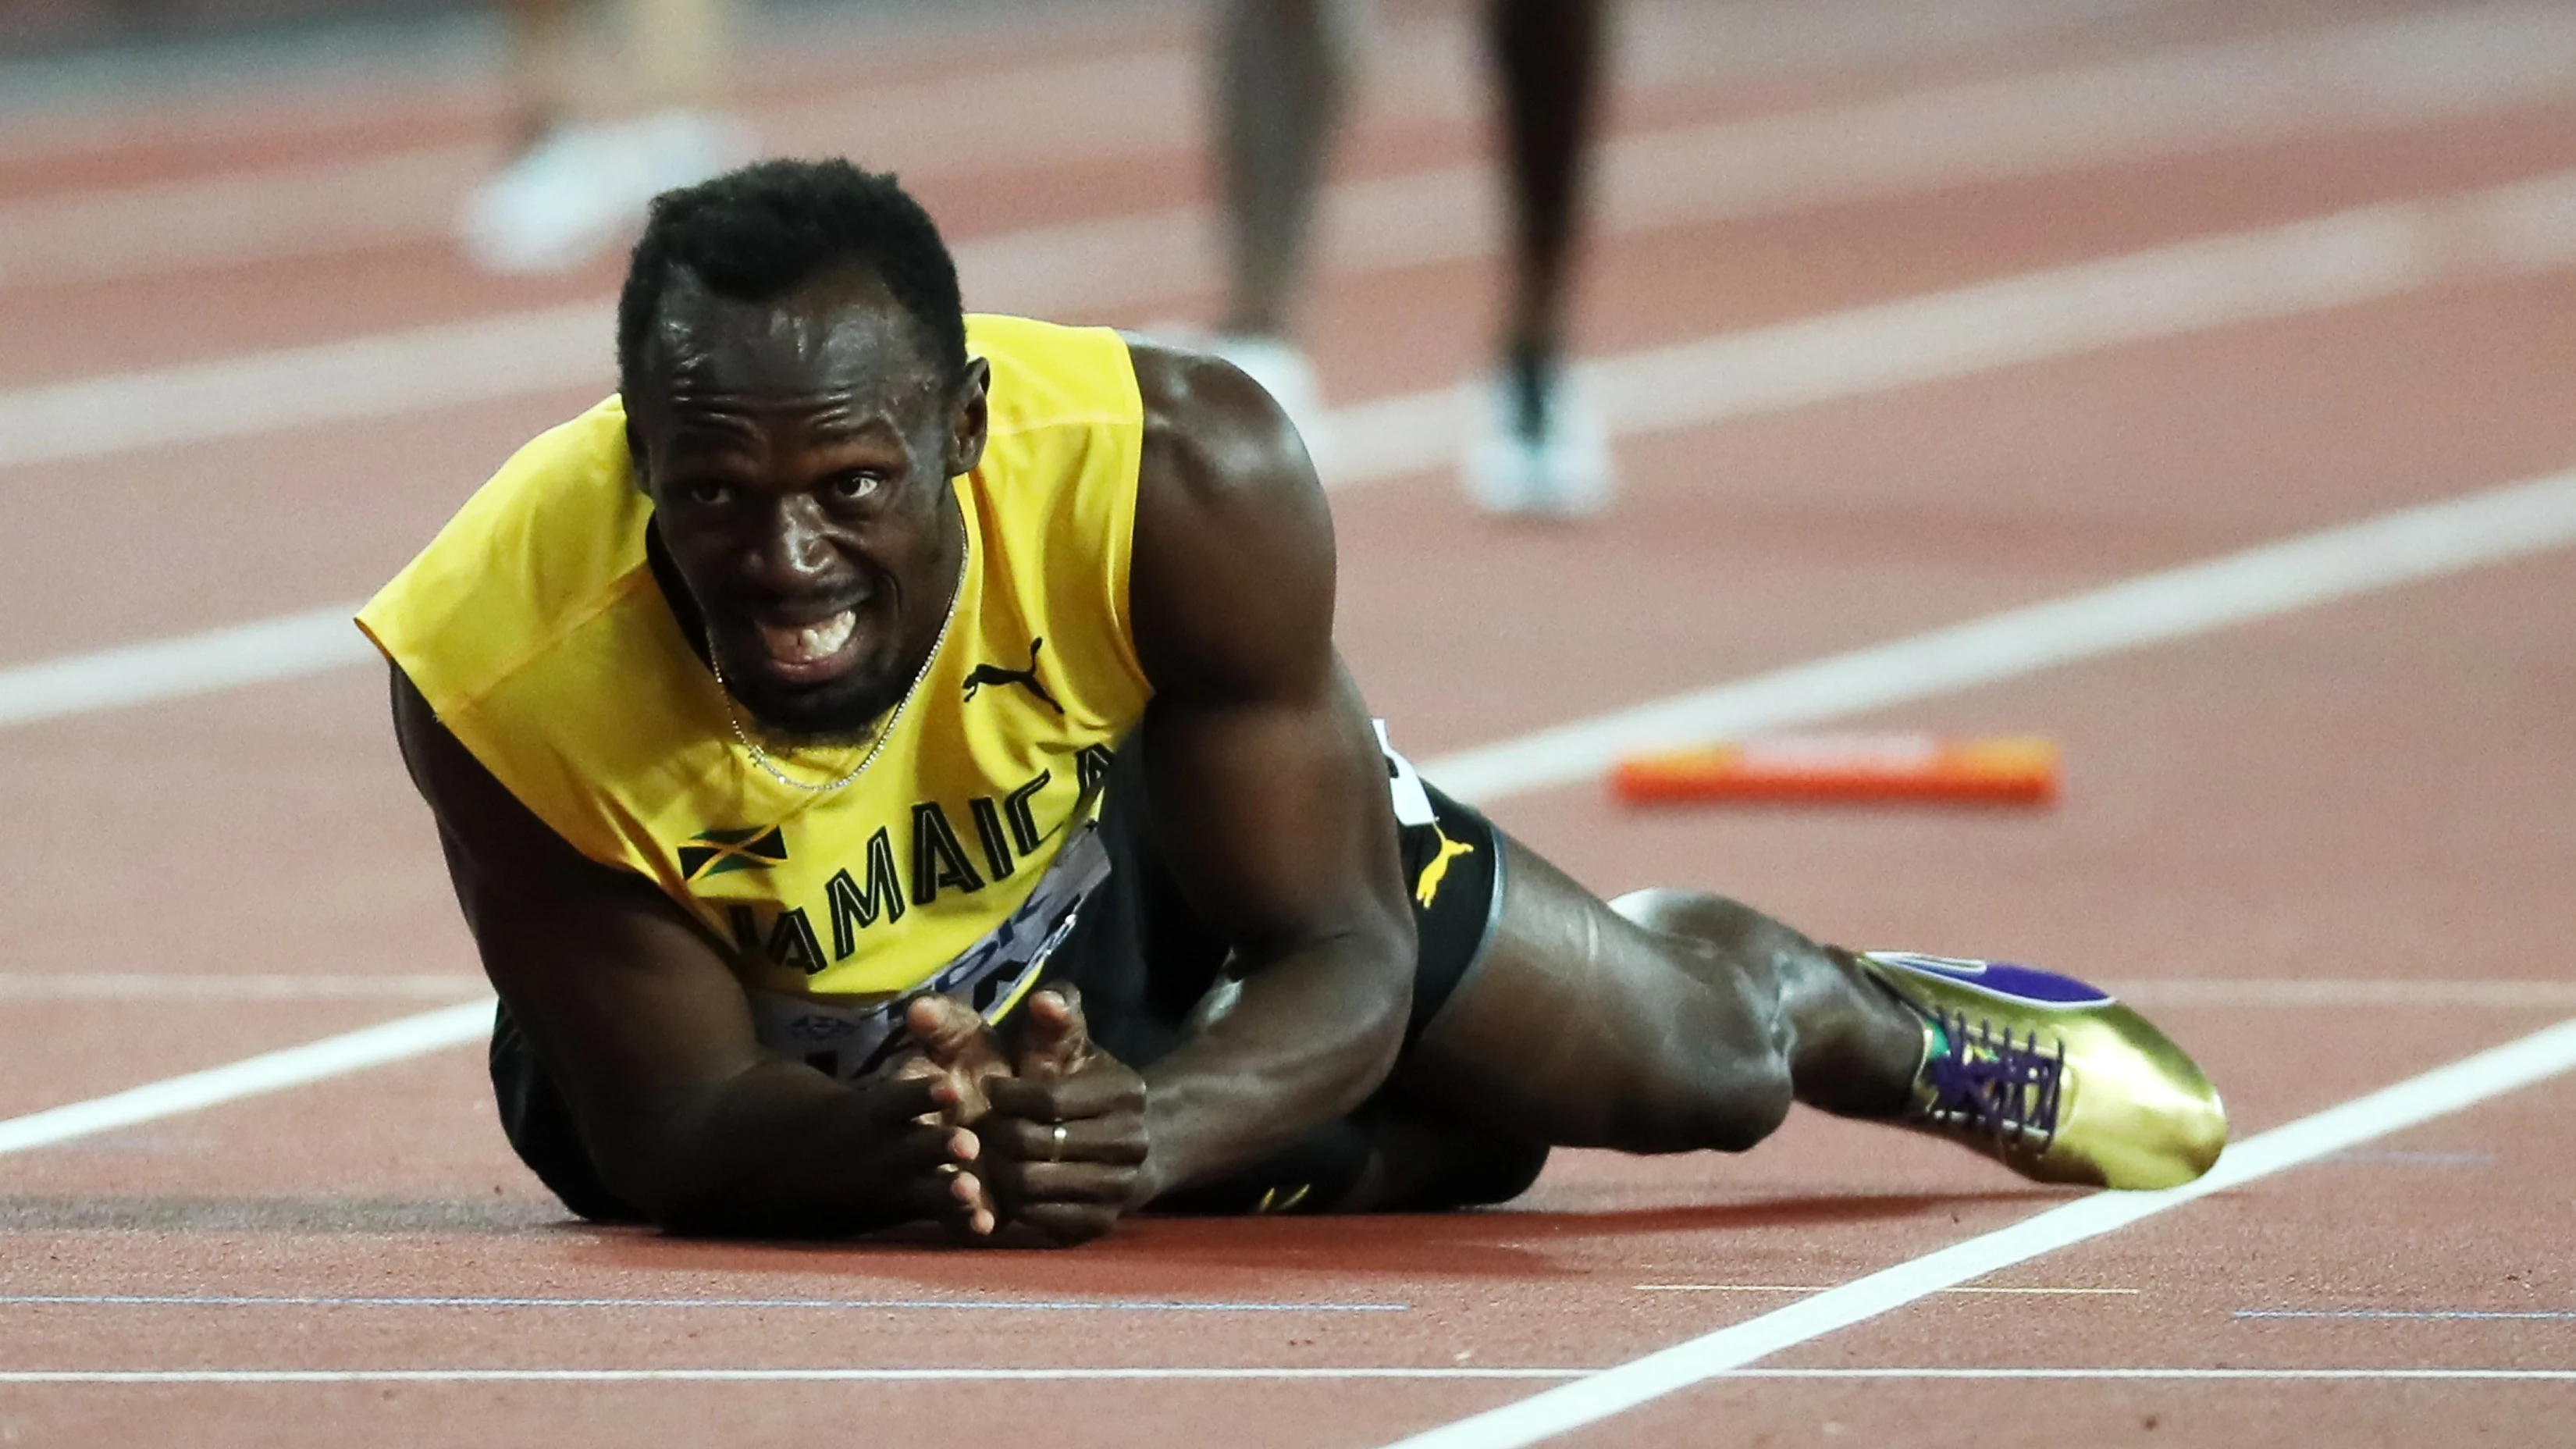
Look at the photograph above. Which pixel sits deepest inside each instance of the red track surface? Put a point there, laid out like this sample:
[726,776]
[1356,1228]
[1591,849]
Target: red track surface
[2377,789]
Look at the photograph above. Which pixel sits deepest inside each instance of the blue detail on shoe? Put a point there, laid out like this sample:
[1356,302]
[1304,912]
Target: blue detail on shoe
[1993,1083]
[2023,984]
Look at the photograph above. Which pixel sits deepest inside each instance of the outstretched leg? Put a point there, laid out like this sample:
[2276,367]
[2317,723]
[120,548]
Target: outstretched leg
[577,185]
[1672,1022]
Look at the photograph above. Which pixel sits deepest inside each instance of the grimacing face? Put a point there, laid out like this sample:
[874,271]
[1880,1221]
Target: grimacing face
[798,452]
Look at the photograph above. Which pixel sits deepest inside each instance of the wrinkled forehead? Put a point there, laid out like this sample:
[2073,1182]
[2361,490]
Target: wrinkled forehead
[841,336]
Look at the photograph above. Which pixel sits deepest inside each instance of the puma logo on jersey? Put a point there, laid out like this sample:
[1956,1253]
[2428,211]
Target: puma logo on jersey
[1025,678]
[719,851]
[1427,885]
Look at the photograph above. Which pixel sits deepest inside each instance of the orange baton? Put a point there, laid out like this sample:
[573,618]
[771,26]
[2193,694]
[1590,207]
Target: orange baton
[1846,769]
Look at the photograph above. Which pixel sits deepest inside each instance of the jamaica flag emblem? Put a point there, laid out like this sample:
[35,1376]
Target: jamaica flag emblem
[718,851]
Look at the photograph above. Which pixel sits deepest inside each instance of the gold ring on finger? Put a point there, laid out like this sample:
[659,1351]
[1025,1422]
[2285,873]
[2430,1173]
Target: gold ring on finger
[1055,1144]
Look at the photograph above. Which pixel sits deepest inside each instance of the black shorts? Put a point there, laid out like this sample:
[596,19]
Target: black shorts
[1143,961]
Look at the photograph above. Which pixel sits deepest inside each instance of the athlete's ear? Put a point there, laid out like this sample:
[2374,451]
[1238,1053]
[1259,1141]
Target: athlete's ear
[967,420]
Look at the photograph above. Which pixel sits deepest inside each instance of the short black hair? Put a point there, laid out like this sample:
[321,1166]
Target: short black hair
[753,234]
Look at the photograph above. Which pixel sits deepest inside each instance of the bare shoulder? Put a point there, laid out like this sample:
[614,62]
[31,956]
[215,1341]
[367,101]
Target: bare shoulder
[1212,435]
[1232,584]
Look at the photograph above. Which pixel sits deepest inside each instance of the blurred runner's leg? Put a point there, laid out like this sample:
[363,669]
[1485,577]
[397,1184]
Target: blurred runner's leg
[579,184]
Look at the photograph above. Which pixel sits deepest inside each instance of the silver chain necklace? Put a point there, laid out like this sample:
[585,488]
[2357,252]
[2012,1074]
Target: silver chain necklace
[885,732]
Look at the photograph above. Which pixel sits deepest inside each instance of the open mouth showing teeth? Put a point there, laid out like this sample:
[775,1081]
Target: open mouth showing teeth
[806,644]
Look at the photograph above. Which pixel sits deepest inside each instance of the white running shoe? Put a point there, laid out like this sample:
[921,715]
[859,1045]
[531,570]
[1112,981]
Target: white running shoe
[1553,465]
[584,188]
[1280,366]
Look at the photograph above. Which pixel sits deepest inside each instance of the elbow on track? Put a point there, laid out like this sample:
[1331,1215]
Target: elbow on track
[733,1206]
[690,1188]
[672,1196]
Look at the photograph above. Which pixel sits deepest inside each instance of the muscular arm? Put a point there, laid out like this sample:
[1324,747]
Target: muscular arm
[687,1117]
[1264,778]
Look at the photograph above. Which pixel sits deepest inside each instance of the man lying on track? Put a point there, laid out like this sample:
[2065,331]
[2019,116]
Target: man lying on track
[895,767]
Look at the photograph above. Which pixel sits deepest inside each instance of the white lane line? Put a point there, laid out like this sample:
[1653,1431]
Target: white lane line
[2383,72]
[2391,72]
[2361,255]
[2437,1093]
[288,647]
[213,986]
[2366,254]
[303,210]
[1089,268]
[309,209]
[354,1051]
[1322,1375]
[2356,256]
[2395,548]
[392,374]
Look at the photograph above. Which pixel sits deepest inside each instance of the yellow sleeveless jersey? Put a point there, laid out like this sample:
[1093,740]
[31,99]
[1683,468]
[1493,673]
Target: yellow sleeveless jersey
[534,626]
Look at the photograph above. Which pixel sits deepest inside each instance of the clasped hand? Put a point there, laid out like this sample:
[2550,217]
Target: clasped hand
[1059,1123]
